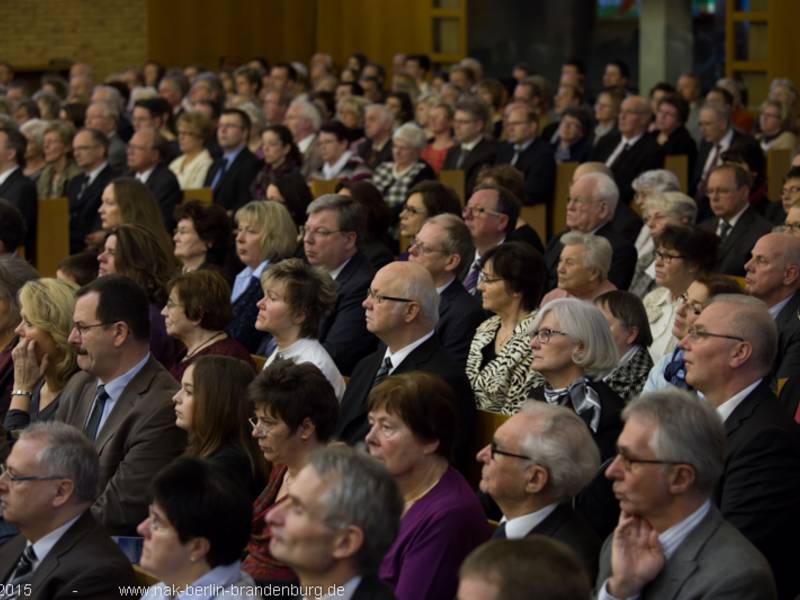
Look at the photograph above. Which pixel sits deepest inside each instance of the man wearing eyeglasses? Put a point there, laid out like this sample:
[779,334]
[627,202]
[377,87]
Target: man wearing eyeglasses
[537,462]
[474,149]
[729,352]
[671,541]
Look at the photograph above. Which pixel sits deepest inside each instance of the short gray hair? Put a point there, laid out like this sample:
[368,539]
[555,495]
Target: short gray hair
[308,111]
[67,453]
[604,189]
[385,114]
[412,134]
[754,323]
[563,445]
[349,214]
[687,430]
[418,285]
[112,95]
[457,238]
[720,110]
[107,108]
[584,323]
[598,252]
[34,128]
[678,204]
[362,493]
[656,180]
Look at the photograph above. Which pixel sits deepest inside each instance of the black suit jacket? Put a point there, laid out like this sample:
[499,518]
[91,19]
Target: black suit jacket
[242,327]
[623,261]
[680,142]
[83,217]
[233,189]
[84,563]
[537,166]
[484,153]
[787,363]
[459,316]
[734,251]
[643,156]
[165,187]
[371,588]
[740,141]
[759,492]
[344,332]
[21,192]
[352,426]
[626,223]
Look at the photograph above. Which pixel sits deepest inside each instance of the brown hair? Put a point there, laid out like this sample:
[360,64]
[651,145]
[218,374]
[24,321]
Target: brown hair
[205,296]
[140,257]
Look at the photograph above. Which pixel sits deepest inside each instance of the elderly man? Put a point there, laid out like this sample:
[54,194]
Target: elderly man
[443,245]
[537,462]
[728,354]
[671,542]
[15,186]
[121,398]
[341,516]
[592,203]
[377,147]
[582,268]
[737,224]
[47,487]
[103,116]
[629,150]
[792,222]
[474,149]
[145,161]
[402,309]
[331,235]
[626,222]
[303,120]
[773,276]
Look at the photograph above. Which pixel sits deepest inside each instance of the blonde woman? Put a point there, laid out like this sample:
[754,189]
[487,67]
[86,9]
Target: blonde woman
[192,165]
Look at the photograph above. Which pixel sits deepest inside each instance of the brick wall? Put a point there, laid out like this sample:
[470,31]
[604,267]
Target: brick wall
[108,34]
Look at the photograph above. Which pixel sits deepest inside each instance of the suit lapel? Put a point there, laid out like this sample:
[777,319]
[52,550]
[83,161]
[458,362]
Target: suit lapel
[789,312]
[13,550]
[65,543]
[420,355]
[124,404]
[552,523]
[746,409]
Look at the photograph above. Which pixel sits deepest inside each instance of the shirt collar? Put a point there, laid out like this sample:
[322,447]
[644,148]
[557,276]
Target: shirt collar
[92,175]
[335,272]
[776,309]
[675,535]
[726,140]
[726,408]
[398,357]
[518,527]
[442,288]
[45,544]
[303,144]
[735,218]
[331,171]
[145,175]
[115,387]
[7,173]
[470,146]
[231,155]
[631,141]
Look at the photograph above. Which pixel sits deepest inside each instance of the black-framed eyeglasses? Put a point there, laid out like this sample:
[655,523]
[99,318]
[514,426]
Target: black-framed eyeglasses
[82,329]
[484,278]
[473,211]
[628,461]
[793,225]
[4,472]
[495,450]
[543,336]
[315,233]
[379,298]
[422,248]
[411,210]
[695,334]
[667,258]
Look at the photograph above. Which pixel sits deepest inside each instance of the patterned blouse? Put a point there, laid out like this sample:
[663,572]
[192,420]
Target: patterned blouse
[629,378]
[395,187]
[502,384]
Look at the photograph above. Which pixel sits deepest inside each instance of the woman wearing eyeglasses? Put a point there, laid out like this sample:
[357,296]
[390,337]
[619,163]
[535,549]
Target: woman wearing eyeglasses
[682,254]
[295,414]
[425,200]
[510,283]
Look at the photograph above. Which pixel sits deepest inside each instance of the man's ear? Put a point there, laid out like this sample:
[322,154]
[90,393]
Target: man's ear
[347,542]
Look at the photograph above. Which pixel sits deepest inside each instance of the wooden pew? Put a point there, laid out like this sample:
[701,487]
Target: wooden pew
[679,164]
[454,179]
[536,217]
[558,214]
[778,162]
[202,195]
[52,235]
[320,187]
[486,423]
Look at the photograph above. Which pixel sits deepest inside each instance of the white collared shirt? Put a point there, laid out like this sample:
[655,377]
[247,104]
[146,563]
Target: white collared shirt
[442,288]
[6,174]
[776,309]
[470,146]
[621,146]
[92,175]
[306,142]
[45,544]
[518,527]
[723,144]
[726,408]
[145,175]
[335,272]
[331,171]
[243,278]
[398,357]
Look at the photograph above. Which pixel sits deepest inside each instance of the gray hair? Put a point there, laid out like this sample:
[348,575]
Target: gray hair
[14,273]
[787,84]
[657,180]
[308,111]
[361,493]
[255,114]
[34,128]
[677,204]
[585,324]
[687,430]
[67,453]
[384,112]
[349,213]
[417,284]
[111,95]
[562,444]
[107,108]
[412,134]
[457,238]
[52,100]
[477,109]
[604,189]
[754,323]
[598,252]
[720,110]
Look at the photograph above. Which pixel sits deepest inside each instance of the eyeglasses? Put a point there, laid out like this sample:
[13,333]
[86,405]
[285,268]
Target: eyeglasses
[667,258]
[412,210]
[420,248]
[379,298]
[792,225]
[315,233]
[543,336]
[4,472]
[695,334]
[171,305]
[472,211]
[628,462]
[484,278]
[495,450]
[82,329]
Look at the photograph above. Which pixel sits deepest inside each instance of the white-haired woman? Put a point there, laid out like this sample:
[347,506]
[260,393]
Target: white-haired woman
[774,127]
[395,178]
[582,268]
[660,209]
[644,187]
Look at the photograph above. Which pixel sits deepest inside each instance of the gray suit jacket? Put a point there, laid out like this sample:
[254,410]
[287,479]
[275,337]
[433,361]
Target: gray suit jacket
[714,561]
[138,438]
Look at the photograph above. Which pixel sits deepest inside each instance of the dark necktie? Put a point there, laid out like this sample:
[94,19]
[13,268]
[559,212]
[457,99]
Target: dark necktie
[462,156]
[471,280]
[500,532]
[621,155]
[22,574]
[93,424]
[84,185]
[220,174]
[724,230]
[386,366]
[517,151]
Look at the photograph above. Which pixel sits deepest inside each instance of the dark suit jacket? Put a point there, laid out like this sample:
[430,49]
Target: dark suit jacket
[643,156]
[21,192]
[760,487]
[233,190]
[714,561]
[459,317]
[484,153]
[787,363]
[165,187]
[83,217]
[537,166]
[626,223]
[137,439]
[680,142]
[84,563]
[242,327]
[352,426]
[371,588]
[372,158]
[734,251]
[344,332]
[740,141]
[623,261]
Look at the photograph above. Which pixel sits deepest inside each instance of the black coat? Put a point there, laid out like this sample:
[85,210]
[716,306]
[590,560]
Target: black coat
[21,192]
[485,153]
[678,143]
[644,155]
[537,166]
[460,313]
[233,190]
[165,187]
[83,217]
[734,251]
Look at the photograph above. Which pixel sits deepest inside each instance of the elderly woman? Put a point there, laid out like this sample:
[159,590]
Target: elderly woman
[265,233]
[33,130]
[424,200]
[212,407]
[792,223]
[582,267]
[571,142]
[660,209]
[202,238]
[510,283]
[59,168]
[411,432]
[195,532]
[669,370]
[281,156]
[627,321]
[683,253]
[645,186]
[338,161]
[196,314]
[295,414]
[775,126]
[43,359]
[671,113]
[572,347]
[440,126]
[296,299]
[394,179]
[191,167]
[784,91]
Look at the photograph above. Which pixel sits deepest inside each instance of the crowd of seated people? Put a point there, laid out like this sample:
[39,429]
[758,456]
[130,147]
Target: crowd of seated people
[643,363]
